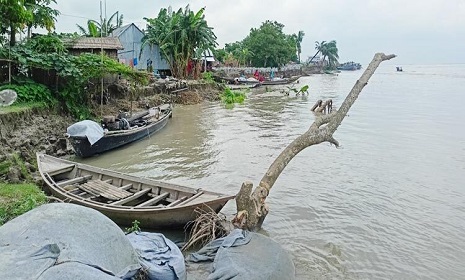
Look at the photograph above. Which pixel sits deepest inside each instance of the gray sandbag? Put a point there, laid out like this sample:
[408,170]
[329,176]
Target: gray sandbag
[61,233]
[160,258]
[246,255]
[73,271]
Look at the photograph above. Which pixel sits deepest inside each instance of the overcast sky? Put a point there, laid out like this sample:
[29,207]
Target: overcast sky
[418,31]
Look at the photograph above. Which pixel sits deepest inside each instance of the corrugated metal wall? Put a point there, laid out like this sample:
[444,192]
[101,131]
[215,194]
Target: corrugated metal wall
[131,39]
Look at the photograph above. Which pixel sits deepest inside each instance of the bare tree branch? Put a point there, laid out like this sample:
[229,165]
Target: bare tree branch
[252,206]
[333,141]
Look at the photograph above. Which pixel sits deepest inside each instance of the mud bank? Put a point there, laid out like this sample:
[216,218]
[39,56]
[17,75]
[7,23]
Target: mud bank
[32,130]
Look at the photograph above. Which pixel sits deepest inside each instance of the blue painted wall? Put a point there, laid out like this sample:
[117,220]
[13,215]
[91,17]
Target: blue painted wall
[130,37]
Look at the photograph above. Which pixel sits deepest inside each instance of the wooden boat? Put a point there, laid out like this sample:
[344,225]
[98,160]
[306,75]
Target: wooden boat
[280,81]
[124,131]
[125,198]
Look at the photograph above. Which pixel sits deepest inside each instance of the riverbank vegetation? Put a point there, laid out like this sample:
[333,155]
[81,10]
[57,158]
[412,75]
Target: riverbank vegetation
[266,46]
[329,51]
[231,97]
[17,199]
[269,46]
[182,37]
[46,56]
[22,107]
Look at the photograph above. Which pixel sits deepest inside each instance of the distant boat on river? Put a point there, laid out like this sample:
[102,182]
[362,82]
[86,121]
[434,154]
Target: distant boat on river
[349,66]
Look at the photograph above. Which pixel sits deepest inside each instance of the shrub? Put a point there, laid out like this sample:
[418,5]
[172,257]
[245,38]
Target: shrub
[29,91]
[230,97]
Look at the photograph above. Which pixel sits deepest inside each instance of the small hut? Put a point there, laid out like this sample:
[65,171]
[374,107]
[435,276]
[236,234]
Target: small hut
[110,45]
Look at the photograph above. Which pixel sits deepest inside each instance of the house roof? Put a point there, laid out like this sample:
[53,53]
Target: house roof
[207,55]
[120,30]
[107,43]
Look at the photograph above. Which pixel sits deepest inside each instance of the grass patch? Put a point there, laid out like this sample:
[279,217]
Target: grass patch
[22,166]
[17,199]
[231,97]
[22,107]
[4,167]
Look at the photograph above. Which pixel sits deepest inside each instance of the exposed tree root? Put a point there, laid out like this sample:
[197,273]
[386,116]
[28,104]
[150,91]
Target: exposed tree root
[206,227]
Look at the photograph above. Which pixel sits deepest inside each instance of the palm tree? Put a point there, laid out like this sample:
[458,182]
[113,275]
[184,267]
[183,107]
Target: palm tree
[243,55]
[318,48]
[329,50]
[298,41]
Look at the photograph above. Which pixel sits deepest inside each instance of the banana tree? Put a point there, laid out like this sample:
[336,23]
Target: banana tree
[104,27]
[179,35]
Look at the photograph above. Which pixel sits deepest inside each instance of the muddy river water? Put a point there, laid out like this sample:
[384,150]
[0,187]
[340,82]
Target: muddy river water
[388,204]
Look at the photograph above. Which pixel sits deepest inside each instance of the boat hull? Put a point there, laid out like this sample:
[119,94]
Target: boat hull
[148,218]
[83,148]
[54,171]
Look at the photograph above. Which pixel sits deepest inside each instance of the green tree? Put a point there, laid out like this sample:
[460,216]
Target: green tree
[318,48]
[220,54]
[103,28]
[13,15]
[328,50]
[270,46]
[42,15]
[179,35]
[16,15]
[233,47]
[91,31]
[243,55]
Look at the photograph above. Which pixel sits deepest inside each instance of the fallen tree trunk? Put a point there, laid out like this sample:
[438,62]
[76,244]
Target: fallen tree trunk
[251,206]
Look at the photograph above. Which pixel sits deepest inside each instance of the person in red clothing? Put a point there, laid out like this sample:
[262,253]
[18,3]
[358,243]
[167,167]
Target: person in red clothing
[190,66]
[256,75]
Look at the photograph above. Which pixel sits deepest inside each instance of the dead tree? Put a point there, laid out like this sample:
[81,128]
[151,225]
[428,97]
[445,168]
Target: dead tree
[251,206]
[323,107]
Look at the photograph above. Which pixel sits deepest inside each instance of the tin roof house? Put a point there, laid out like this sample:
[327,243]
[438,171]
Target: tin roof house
[130,37]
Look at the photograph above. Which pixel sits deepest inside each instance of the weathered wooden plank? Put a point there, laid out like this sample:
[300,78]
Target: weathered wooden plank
[104,189]
[126,187]
[153,201]
[131,198]
[176,202]
[61,170]
[74,180]
[191,198]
